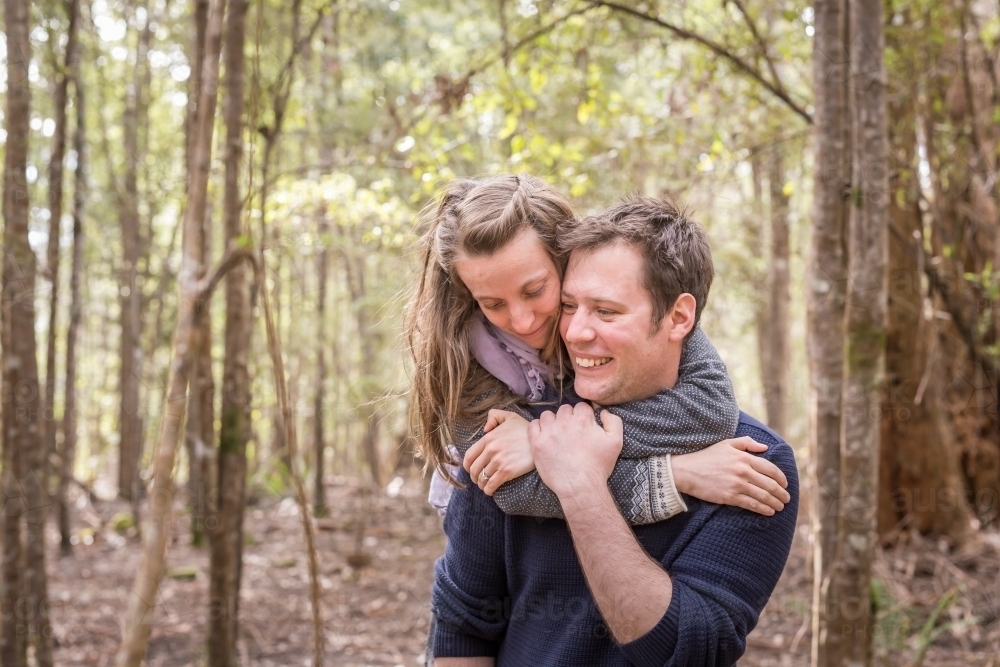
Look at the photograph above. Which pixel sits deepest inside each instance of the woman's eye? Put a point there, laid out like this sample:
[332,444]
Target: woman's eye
[490,306]
[532,295]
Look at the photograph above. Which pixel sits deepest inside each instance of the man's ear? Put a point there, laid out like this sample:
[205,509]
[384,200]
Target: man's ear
[680,318]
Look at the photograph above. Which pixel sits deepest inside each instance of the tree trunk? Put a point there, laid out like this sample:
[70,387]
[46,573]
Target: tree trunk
[130,424]
[919,480]
[226,535]
[825,294]
[26,501]
[865,339]
[199,23]
[282,92]
[75,311]
[142,600]
[757,279]
[354,267]
[323,260]
[200,426]
[49,423]
[198,484]
[778,355]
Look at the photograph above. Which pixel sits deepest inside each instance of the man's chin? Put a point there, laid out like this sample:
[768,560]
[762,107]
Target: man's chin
[592,391]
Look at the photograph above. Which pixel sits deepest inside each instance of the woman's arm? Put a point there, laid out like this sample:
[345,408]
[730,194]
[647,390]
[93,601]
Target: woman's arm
[700,410]
[646,490]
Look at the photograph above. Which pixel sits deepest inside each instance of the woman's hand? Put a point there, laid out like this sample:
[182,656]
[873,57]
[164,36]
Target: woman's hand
[504,452]
[728,474]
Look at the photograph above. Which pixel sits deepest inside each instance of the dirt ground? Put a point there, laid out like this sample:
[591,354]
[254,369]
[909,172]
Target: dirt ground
[378,614]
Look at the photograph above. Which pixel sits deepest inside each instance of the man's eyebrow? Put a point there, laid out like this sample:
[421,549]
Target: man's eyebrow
[599,300]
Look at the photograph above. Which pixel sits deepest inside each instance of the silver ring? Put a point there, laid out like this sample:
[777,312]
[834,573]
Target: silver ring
[483,476]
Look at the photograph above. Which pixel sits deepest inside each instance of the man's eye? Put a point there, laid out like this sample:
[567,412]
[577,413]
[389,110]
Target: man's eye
[569,307]
[604,312]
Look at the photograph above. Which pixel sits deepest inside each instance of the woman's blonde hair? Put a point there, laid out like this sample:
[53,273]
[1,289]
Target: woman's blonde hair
[477,217]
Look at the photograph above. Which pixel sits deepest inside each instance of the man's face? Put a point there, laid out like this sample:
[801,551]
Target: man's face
[606,327]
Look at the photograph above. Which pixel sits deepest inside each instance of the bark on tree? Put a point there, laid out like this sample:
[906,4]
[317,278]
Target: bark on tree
[778,356]
[25,500]
[129,420]
[226,535]
[75,310]
[142,599]
[864,345]
[825,294]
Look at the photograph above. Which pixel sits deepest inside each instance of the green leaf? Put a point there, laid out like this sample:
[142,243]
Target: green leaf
[509,125]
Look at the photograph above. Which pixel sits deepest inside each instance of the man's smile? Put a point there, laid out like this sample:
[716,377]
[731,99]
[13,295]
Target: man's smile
[587,362]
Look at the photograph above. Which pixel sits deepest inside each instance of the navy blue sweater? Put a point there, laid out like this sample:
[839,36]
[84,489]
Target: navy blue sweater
[512,587]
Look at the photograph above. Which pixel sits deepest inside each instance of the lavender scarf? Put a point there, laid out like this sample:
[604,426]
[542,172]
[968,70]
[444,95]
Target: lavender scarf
[509,360]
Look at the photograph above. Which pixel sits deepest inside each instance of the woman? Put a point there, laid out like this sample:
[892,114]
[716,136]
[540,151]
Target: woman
[482,330]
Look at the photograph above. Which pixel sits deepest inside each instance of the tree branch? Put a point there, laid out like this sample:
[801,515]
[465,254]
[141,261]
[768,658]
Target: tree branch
[524,41]
[761,44]
[207,285]
[775,88]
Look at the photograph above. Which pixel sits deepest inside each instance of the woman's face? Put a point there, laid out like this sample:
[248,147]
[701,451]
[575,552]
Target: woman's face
[517,287]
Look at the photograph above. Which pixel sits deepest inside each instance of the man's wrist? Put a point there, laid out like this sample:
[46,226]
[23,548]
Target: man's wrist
[583,498]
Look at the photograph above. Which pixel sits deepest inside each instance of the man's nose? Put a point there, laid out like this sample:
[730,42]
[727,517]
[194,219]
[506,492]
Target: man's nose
[578,330]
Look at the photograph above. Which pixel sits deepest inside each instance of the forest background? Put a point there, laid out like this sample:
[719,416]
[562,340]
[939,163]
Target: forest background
[209,226]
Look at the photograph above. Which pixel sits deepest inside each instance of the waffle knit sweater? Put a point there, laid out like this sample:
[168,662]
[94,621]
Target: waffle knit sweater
[512,587]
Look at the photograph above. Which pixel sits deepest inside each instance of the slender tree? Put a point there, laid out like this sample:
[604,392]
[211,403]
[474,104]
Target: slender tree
[778,357]
[226,536]
[129,420]
[75,309]
[23,585]
[199,430]
[319,443]
[60,99]
[142,600]
[864,346]
[825,296]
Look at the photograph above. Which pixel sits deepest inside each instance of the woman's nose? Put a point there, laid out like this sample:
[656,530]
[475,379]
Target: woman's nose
[521,319]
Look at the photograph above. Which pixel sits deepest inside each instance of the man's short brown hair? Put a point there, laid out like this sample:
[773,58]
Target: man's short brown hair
[677,256]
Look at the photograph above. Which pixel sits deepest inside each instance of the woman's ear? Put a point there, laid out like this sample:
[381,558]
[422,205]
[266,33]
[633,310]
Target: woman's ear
[680,318]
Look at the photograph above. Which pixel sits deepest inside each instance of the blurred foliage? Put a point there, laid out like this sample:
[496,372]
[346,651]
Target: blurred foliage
[388,100]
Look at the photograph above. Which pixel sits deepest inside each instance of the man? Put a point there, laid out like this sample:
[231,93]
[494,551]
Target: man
[590,590]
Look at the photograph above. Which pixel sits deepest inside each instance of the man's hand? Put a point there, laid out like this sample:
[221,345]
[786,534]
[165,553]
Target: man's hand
[504,452]
[728,474]
[573,454]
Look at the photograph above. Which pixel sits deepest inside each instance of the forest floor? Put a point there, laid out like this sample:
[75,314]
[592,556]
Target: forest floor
[378,614]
